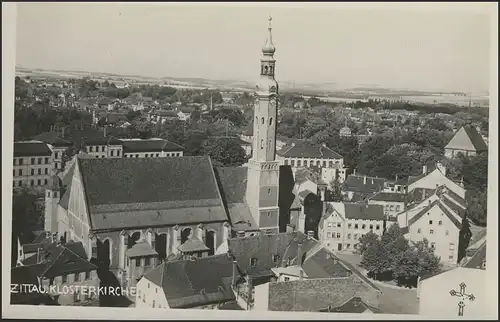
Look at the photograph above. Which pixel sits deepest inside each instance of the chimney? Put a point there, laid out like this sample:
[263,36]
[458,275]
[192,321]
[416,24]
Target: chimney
[364,180]
[301,274]
[429,203]
[423,194]
[372,180]
[299,254]
[235,273]
[310,234]
[354,171]
[290,228]
[424,169]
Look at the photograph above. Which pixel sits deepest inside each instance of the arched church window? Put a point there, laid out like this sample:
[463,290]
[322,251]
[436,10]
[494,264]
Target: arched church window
[263,121]
[305,163]
[265,69]
[271,121]
[271,70]
[331,164]
[261,144]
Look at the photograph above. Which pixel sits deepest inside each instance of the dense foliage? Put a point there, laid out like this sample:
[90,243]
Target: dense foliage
[392,257]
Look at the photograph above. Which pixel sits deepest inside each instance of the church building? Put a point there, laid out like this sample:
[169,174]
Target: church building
[142,211]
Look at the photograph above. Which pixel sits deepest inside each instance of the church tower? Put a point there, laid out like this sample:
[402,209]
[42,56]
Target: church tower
[263,169]
[52,197]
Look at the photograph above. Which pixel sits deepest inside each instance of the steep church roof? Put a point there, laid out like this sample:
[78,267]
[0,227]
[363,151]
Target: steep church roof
[233,185]
[130,192]
[467,139]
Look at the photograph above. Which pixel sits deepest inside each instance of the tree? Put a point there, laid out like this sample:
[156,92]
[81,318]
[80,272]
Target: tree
[392,257]
[418,260]
[477,207]
[27,212]
[336,190]
[376,260]
[226,151]
[366,241]
[464,237]
[141,129]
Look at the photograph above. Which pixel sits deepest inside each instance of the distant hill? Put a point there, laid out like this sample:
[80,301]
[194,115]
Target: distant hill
[306,88]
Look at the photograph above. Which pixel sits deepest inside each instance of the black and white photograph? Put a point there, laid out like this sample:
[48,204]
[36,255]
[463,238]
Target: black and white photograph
[269,158]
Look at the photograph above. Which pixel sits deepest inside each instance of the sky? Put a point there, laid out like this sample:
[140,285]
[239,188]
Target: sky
[435,50]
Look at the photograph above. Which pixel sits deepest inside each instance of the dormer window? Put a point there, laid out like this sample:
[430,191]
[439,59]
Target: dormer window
[276,258]
[253,262]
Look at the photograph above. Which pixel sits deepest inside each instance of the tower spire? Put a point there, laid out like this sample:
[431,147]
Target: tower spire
[268,48]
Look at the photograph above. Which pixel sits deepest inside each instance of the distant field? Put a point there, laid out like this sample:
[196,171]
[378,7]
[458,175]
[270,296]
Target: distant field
[330,92]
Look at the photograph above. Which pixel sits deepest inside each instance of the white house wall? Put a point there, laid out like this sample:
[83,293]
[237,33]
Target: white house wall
[148,293]
[442,232]
[436,300]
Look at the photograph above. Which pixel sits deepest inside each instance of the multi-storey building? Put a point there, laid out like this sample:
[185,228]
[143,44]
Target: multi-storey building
[61,266]
[393,203]
[58,145]
[151,148]
[437,218]
[303,154]
[33,164]
[344,223]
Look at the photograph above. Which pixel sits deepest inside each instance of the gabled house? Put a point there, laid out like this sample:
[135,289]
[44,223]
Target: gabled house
[275,266]
[184,113]
[59,265]
[203,283]
[432,178]
[343,224]
[467,141]
[437,218]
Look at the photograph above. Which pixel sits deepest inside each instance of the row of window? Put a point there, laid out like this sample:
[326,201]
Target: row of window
[138,261]
[439,222]
[39,172]
[347,246]
[451,246]
[253,260]
[431,231]
[318,163]
[338,235]
[33,161]
[91,149]
[349,226]
[78,277]
[153,155]
[39,182]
